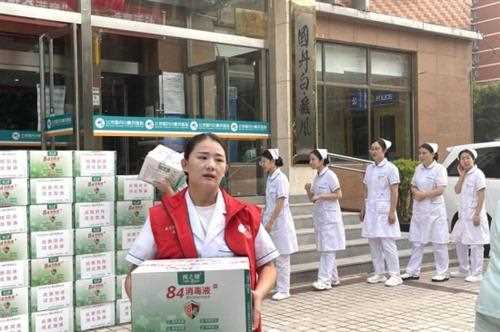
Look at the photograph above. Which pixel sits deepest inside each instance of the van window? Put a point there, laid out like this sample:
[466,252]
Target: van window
[452,169]
[488,161]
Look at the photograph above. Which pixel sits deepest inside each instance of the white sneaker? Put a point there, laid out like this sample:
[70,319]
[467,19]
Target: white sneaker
[376,278]
[458,274]
[280,296]
[440,278]
[322,285]
[407,276]
[335,283]
[473,278]
[394,281]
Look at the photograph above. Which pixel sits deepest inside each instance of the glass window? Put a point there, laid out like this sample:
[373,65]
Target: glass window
[319,62]
[389,68]
[488,161]
[70,5]
[345,64]
[452,169]
[344,124]
[391,119]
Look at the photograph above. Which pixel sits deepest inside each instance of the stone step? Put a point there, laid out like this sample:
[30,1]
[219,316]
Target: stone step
[357,265]
[306,235]
[308,253]
[306,220]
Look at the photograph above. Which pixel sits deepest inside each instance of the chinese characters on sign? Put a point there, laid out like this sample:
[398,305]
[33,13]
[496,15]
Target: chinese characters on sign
[305,91]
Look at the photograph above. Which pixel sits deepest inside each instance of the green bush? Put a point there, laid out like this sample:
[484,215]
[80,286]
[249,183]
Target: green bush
[406,169]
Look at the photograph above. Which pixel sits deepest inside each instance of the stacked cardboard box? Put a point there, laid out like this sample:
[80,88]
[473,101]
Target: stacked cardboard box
[135,198]
[14,275]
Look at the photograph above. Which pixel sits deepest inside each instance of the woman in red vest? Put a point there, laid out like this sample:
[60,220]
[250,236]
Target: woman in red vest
[204,221]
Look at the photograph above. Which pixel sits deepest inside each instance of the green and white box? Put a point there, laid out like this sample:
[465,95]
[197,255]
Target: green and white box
[14,302]
[14,274]
[162,164]
[92,163]
[13,219]
[192,295]
[123,311]
[52,243]
[51,164]
[15,324]
[95,265]
[13,192]
[14,164]
[59,320]
[50,217]
[94,240]
[94,316]
[47,191]
[13,247]
[126,235]
[120,287]
[94,214]
[50,297]
[122,265]
[50,271]
[95,291]
[130,188]
[132,213]
[95,189]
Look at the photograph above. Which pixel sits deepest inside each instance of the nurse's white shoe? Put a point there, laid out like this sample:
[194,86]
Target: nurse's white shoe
[394,281]
[440,278]
[376,278]
[407,276]
[335,283]
[280,296]
[477,278]
[458,274]
[321,285]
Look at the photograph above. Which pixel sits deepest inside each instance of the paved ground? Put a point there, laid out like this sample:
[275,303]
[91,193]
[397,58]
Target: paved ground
[357,306]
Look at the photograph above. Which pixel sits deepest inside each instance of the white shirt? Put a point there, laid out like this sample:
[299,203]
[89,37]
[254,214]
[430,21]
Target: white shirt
[429,178]
[209,243]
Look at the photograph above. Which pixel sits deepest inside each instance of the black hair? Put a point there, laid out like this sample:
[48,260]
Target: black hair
[469,152]
[429,148]
[278,162]
[195,140]
[318,155]
[382,144]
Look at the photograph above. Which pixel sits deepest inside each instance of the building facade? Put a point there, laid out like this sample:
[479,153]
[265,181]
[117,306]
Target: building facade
[127,75]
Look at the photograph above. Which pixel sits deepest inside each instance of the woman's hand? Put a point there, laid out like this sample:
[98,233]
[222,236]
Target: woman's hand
[316,198]
[128,286]
[362,214]
[165,187]
[269,226]
[392,218]
[460,170]
[257,299]
[419,195]
[307,187]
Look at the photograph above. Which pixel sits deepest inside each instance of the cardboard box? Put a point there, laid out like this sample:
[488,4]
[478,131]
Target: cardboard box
[55,164]
[47,191]
[14,164]
[13,219]
[120,287]
[59,320]
[14,302]
[123,311]
[52,243]
[50,217]
[15,324]
[122,265]
[13,192]
[94,240]
[94,316]
[132,213]
[14,274]
[50,271]
[126,235]
[94,163]
[129,188]
[95,265]
[13,247]
[95,291]
[95,189]
[50,297]
[161,164]
[94,214]
[192,295]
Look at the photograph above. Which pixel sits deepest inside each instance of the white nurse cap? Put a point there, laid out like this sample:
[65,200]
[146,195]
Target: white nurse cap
[275,153]
[471,150]
[388,143]
[434,146]
[323,153]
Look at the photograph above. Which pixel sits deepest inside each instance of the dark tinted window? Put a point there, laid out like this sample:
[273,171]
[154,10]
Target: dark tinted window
[488,161]
[452,169]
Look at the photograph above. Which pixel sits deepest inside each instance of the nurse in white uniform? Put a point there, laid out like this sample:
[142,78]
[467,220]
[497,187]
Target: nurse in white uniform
[471,231]
[428,222]
[328,224]
[277,218]
[379,217]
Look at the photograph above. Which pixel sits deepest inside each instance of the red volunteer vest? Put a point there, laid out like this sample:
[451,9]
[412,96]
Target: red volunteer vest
[174,238]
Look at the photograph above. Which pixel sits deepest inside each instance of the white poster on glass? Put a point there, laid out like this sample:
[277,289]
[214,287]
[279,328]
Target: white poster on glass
[172,93]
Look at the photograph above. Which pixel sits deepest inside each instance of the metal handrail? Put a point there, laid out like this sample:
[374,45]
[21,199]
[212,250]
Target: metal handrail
[348,158]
